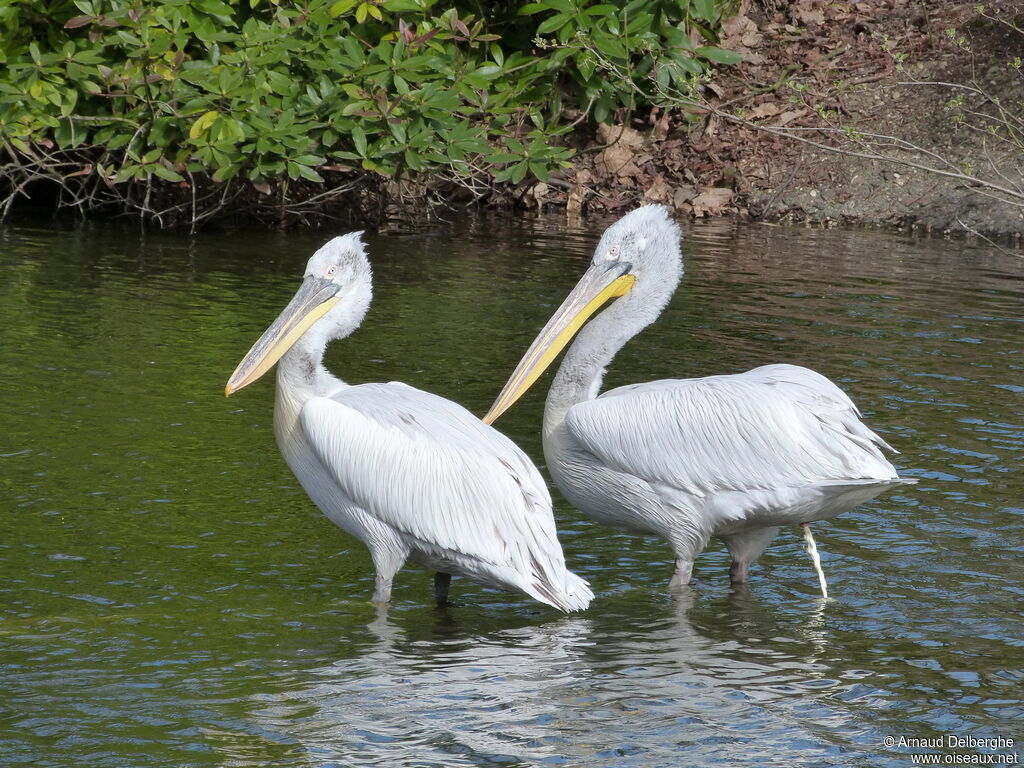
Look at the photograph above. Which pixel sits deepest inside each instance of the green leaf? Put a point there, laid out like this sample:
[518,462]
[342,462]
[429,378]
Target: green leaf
[64,135]
[166,173]
[308,173]
[611,47]
[687,64]
[353,48]
[354,106]
[214,8]
[282,84]
[406,6]
[118,141]
[131,40]
[663,77]
[342,6]
[226,172]
[555,22]
[639,23]
[566,6]
[677,38]
[127,171]
[704,9]
[413,160]
[519,172]
[359,139]
[202,125]
[70,100]
[489,71]
[585,65]
[718,55]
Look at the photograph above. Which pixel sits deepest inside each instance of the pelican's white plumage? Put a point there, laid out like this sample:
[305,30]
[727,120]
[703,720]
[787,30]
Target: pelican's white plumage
[733,456]
[775,426]
[411,474]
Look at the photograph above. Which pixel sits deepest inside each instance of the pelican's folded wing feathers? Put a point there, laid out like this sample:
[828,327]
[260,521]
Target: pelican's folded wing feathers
[433,471]
[775,426]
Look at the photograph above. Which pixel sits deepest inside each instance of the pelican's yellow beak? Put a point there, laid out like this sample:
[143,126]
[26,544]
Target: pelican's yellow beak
[314,298]
[599,284]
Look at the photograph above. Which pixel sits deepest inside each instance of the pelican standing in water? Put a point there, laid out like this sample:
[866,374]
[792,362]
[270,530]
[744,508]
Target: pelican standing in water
[412,475]
[734,456]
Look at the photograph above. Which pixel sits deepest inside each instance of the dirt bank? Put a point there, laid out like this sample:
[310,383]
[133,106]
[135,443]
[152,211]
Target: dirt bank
[858,79]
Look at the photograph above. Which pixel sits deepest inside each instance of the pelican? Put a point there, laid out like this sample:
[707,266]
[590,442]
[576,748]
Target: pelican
[412,475]
[733,456]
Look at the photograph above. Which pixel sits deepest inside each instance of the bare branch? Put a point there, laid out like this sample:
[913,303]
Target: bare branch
[789,134]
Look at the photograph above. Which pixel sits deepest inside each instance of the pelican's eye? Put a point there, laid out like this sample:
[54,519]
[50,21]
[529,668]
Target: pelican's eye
[331,270]
[613,253]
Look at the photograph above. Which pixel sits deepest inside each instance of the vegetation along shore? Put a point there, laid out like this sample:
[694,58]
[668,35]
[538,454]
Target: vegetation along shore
[891,112]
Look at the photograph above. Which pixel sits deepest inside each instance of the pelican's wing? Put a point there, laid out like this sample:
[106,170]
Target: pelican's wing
[772,427]
[433,471]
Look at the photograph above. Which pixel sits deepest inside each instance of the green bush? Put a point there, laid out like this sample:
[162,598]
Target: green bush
[118,94]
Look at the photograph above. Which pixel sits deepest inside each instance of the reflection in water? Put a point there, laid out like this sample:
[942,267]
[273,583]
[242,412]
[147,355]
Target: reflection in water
[627,690]
[170,597]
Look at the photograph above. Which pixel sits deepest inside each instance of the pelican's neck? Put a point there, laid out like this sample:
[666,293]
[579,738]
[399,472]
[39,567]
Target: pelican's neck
[652,249]
[301,369]
[582,370]
[301,375]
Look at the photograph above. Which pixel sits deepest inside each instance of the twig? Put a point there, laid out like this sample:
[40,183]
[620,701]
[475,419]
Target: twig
[789,134]
[779,189]
[988,240]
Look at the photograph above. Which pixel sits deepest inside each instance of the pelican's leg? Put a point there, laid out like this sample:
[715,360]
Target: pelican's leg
[686,544]
[739,571]
[745,548]
[382,589]
[684,569]
[812,550]
[386,560]
[441,583]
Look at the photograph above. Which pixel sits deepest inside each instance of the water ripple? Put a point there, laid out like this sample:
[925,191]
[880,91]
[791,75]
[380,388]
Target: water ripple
[172,598]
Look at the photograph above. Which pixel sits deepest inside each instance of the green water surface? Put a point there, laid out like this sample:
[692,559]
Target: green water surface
[170,597]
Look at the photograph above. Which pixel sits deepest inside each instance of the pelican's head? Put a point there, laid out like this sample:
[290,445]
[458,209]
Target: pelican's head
[331,303]
[646,238]
[637,266]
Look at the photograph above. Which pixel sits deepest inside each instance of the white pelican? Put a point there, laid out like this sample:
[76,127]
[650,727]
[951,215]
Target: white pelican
[729,456]
[412,475]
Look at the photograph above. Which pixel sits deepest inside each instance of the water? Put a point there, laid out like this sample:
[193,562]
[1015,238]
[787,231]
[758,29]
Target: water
[169,597]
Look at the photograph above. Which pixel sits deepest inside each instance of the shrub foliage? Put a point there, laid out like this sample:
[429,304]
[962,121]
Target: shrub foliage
[175,109]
